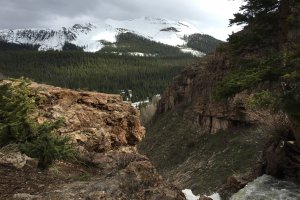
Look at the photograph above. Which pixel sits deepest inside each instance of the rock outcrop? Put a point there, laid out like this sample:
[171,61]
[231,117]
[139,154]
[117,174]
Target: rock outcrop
[194,88]
[194,118]
[96,122]
[105,131]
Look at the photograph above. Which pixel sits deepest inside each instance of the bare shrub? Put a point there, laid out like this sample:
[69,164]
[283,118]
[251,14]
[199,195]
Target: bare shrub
[148,110]
[124,159]
[276,123]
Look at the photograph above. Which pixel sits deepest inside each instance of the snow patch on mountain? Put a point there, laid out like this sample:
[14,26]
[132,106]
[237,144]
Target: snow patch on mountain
[154,29]
[192,51]
[139,54]
[90,36]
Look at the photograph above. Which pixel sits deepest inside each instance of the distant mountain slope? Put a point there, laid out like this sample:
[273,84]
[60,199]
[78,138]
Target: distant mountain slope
[110,73]
[202,42]
[133,44]
[4,46]
[93,37]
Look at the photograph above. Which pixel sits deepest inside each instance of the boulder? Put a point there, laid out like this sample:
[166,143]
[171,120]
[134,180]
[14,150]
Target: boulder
[11,156]
[95,121]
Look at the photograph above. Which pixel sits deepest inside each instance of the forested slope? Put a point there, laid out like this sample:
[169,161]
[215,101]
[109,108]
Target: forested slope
[145,76]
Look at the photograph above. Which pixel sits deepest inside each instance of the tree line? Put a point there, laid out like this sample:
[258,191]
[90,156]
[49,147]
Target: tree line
[109,73]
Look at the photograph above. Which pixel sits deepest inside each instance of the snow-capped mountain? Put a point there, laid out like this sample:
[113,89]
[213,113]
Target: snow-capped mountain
[91,36]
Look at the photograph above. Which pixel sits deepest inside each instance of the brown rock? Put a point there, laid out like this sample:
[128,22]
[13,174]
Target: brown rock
[234,184]
[11,156]
[98,122]
[205,198]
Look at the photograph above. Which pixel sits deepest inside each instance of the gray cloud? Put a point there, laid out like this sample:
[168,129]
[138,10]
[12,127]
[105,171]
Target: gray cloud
[45,13]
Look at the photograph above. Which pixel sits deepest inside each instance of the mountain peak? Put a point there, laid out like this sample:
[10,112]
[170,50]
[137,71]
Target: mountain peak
[88,35]
[85,26]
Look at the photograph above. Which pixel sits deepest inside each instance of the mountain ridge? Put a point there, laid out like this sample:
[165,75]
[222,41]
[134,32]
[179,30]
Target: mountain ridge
[91,36]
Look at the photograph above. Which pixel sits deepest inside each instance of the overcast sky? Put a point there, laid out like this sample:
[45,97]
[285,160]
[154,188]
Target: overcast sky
[209,16]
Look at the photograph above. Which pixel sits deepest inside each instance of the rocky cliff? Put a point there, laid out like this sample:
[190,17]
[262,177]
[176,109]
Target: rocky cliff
[193,87]
[96,122]
[105,131]
[208,142]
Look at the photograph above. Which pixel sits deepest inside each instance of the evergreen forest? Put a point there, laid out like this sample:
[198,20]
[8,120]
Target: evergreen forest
[102,72]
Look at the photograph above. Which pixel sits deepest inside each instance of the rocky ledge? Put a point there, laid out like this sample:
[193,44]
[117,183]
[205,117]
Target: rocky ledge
[104,130]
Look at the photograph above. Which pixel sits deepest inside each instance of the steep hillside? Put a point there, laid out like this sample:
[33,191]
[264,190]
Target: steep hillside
[202,42]
[234,115]
[133,44]
[204,141]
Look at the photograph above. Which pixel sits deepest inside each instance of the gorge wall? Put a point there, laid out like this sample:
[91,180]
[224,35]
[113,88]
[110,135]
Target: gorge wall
[207,144]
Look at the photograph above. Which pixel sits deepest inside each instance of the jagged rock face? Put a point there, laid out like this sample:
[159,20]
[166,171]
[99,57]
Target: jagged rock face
[96,122]
[46,39]
[194,88]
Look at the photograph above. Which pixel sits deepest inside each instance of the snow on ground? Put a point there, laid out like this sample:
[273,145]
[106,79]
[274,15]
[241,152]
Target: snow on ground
[193,52]
[190,196]
[137,104]
[140,54]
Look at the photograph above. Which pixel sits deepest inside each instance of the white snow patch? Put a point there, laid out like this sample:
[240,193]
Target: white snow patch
[193,52]
[138,103]
[93,47]
[215,196]
[109,36]
[143,54]
[190,196]
[140,54]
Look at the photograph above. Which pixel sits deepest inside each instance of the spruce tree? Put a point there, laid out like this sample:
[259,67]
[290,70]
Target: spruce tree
[271,35]
[18,124]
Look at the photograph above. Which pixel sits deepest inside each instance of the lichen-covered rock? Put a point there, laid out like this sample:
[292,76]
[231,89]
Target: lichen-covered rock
[96,121]
[11,156]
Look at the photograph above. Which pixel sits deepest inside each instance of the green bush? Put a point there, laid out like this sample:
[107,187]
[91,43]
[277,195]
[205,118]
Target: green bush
[238,81]
[18,124]
[245,78]
[15,107]
[263,99]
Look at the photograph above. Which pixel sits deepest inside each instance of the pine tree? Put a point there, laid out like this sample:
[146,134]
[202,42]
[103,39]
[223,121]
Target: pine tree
[18,124]
[16,106]
[270,24]
[266,25]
